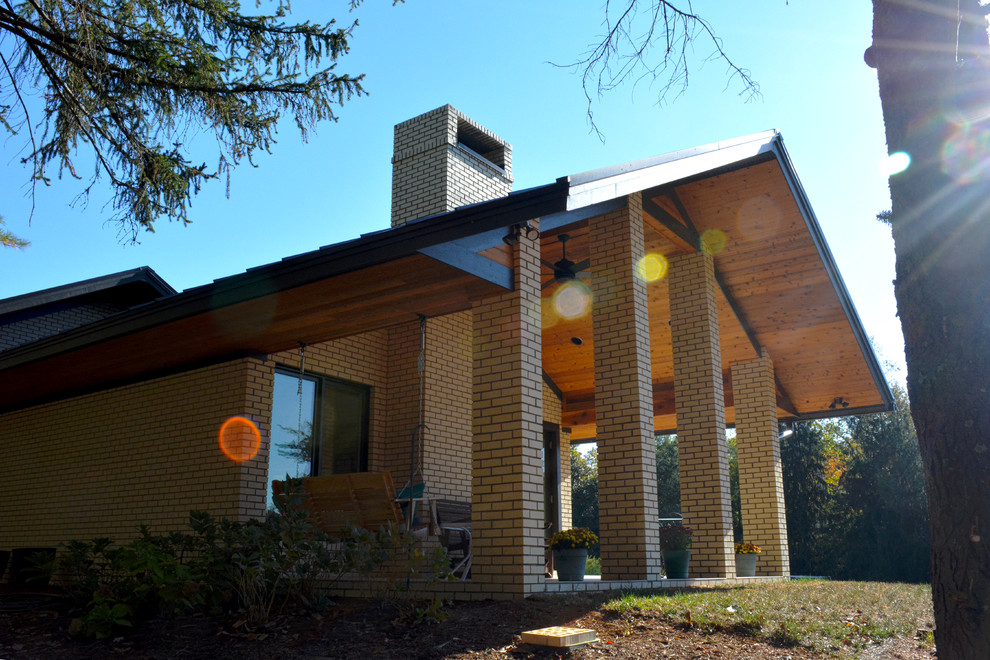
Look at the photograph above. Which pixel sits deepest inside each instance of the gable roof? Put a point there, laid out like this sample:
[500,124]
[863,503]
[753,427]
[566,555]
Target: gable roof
[130,287]
[779,289]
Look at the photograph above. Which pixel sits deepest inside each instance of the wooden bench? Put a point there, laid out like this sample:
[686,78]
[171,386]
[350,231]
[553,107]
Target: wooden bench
[361,499]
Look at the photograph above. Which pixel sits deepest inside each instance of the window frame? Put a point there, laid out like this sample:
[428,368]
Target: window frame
[322,383]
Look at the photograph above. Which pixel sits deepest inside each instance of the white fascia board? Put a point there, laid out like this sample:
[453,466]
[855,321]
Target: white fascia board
[603,185]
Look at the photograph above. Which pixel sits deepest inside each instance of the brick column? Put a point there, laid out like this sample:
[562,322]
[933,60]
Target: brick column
[627,486]
[507,486]
[698,392]
[761,484]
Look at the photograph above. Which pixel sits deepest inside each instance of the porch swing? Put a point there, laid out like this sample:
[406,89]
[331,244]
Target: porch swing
[455,539]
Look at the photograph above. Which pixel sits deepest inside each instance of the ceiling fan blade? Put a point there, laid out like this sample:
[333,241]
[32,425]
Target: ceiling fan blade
[584,275]
[549,265]
[582,265]
[548,285]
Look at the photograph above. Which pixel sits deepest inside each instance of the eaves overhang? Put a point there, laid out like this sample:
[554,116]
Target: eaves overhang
[364,284]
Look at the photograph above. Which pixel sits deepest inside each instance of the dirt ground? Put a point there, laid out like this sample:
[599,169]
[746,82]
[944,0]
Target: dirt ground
[37,627]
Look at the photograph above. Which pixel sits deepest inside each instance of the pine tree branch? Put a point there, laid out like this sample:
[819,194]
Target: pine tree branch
[121,76]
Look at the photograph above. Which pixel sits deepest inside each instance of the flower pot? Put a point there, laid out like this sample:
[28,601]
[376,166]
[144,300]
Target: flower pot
[569,563]
[675,563]
[746,565]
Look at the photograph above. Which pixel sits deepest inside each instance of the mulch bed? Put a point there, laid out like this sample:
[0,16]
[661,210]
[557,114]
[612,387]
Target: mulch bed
[36,626]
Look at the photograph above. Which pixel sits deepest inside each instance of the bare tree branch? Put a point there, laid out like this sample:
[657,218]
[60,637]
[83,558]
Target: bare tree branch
[652,41]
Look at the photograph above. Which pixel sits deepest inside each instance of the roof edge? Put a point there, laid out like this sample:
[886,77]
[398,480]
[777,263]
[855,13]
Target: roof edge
[838,284]
[299,270]
[62,292]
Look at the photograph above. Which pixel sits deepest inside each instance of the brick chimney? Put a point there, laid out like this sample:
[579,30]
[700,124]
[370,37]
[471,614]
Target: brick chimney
[442,160]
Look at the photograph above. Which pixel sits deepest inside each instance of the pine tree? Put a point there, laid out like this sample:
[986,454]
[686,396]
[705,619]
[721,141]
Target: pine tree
[133,82]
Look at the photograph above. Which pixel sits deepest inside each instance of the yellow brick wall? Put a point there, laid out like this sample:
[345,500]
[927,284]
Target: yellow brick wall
[700,407]
[627,480]
[447,449]
[402,401]
[104,463]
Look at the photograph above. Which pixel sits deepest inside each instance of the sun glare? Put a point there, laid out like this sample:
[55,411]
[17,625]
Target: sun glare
[652,267]
[572,299]
[240,439]
[713,241]
[895,163]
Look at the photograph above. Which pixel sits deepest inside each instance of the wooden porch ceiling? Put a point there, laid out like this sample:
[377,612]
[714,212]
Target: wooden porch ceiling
[775,292]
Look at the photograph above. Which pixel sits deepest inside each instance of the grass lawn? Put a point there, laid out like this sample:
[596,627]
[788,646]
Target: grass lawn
[819,614]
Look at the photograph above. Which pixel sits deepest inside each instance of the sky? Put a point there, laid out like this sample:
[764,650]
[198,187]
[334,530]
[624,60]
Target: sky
[495,62]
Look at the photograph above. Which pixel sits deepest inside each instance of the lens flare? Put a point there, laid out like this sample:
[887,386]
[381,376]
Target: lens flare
[652,267]
[713,241]
[240,439]
[895,163]
[964,155]
[758,217]
[572,299]
[549,317]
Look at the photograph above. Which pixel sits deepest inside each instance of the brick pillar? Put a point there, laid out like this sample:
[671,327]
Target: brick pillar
[627,486]
[698,392]
[507,486]
[761,483]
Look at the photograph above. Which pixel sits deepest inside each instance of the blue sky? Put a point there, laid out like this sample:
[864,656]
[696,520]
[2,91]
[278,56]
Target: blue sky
[491,61]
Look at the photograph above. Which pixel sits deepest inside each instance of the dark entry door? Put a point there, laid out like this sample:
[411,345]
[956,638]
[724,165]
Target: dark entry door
[551,477]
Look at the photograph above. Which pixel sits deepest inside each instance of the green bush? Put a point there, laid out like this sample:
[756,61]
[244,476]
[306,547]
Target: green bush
[251,569]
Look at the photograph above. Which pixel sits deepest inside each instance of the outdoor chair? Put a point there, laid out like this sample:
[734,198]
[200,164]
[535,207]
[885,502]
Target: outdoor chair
[452,522]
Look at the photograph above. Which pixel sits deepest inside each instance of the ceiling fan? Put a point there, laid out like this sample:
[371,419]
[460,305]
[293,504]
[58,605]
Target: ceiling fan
[565,269]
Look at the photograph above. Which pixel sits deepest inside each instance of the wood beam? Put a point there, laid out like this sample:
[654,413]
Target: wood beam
[684,236]
[688,233]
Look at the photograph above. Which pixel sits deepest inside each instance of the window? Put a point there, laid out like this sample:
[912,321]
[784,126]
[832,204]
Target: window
[319,426]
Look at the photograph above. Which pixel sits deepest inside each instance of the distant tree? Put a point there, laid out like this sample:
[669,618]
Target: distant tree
[584,490]
[133,83]
[883,489]
[735,494]
[668,477]
[810,461]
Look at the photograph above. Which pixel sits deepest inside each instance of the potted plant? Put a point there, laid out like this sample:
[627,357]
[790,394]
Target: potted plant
[570,552]
[746,554]
[675,544]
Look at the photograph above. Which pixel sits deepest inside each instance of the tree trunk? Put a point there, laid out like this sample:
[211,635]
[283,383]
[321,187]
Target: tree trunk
[941,228]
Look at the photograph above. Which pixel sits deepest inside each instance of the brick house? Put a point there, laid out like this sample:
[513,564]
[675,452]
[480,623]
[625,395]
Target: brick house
[697,292]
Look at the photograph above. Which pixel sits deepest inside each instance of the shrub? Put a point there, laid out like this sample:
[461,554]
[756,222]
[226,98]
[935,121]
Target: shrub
[675,537]
[252,569]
